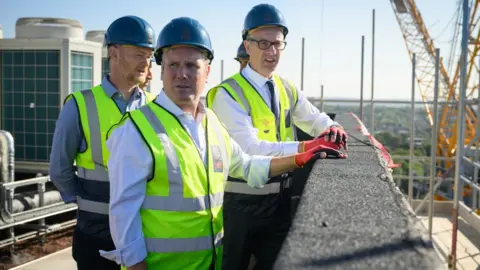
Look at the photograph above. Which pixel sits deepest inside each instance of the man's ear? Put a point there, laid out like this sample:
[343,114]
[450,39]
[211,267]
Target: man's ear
[161,72]
[208,73]
[246,44]
[112,52]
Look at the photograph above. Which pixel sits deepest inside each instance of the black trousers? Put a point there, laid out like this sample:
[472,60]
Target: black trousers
[85,251]
[246,235]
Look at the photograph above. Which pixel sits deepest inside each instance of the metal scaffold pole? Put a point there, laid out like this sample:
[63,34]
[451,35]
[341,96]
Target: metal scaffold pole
[433,160]
[361,78]
[372,108]
[221,70]
[412,134]
[302,74]
[460,133]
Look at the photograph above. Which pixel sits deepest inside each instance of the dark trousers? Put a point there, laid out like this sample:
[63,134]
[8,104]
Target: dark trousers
[85,251]
[246,235]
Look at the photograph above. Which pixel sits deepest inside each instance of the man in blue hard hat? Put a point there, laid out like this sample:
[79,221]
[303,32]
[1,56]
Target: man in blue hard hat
[144,85]
[78,160]
[260,110]
[170,160]
[242,56]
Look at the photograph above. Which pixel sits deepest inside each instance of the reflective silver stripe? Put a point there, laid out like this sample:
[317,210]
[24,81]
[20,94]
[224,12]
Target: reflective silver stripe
[238,90]
[243,188]
[214,123]
[289,91]
[163,245]
[180,204]
[94,126]
[92,206]
[98,174]
[175,201]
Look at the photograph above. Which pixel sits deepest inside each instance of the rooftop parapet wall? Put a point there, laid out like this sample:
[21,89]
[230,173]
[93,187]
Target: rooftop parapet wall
[352,216]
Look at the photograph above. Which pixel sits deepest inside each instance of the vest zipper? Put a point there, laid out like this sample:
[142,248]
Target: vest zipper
[214,257]
[214,253]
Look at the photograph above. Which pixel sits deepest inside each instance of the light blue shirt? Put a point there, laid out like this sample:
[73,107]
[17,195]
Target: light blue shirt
[68,139]
[131,164]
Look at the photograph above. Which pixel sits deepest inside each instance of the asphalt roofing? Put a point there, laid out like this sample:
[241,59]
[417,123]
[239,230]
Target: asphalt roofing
[352,216]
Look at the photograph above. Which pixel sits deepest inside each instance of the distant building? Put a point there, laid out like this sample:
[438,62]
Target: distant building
[47,60]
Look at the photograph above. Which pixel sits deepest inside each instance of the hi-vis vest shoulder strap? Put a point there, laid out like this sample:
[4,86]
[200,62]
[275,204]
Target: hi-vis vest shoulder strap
[182,211]
[98,112]
[270,129]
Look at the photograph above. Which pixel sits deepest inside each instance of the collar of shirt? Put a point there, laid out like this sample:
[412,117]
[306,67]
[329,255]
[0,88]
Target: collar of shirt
[163,100]
[254,77]
[112,90]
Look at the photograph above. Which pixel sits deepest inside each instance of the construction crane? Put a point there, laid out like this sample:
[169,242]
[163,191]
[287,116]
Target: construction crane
[420,43]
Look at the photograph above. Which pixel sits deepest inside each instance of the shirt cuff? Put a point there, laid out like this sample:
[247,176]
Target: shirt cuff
[129,255]
[259,171]
[290,148]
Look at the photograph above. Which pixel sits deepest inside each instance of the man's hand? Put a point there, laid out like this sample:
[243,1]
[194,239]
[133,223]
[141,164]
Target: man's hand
[308,145]
[319,152]
[139,266]
[335,134]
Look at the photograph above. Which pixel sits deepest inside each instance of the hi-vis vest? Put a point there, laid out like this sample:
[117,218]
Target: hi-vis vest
[182,218]
[98,113]
[269,128]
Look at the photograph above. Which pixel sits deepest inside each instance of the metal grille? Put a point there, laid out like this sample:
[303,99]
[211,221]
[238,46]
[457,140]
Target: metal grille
[30,87]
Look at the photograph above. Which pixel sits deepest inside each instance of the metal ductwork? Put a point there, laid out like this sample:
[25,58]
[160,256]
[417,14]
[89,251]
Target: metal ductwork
[95,35]
[54,28]
[31,200]
[7,157]
[25,200]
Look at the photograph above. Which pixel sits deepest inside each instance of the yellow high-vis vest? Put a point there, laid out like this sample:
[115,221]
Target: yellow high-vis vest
[269,129]
[182,214]
[98,113]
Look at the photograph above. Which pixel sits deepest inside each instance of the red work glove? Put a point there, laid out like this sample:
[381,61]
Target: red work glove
[318,152]
[308,145]
[335,134]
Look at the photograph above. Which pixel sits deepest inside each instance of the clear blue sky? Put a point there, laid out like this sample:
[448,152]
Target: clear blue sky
[333,36]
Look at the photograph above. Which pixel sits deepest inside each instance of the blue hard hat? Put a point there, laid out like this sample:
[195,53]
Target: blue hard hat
[263,15]
[130,30]
[183,31]
[241,52]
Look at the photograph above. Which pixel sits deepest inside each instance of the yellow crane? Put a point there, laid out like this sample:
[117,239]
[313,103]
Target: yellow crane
[419,42]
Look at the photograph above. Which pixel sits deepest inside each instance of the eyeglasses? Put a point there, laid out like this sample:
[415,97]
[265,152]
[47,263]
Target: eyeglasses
[265,44]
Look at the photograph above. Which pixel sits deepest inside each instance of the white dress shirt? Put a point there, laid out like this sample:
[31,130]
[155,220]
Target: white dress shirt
[130,165]
[305,116]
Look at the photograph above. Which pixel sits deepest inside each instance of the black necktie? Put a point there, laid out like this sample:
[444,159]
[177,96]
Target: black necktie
[273,105]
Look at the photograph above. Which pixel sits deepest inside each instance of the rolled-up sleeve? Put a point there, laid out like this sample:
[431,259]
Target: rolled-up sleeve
[129,167]
[309,119]
[66,144]
[253,169]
